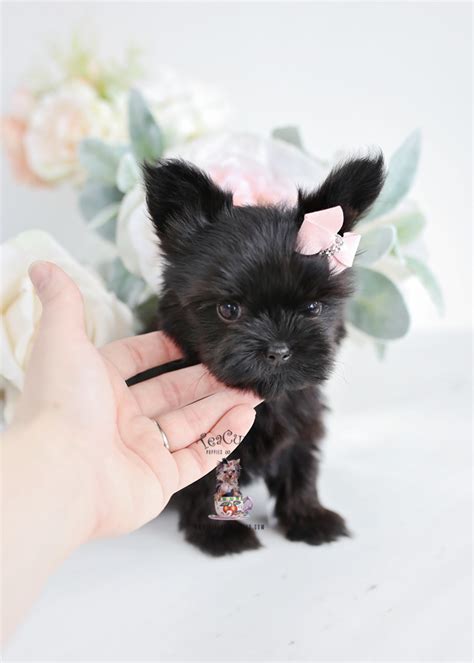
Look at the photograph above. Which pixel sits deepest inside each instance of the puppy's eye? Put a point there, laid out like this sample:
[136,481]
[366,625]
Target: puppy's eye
[313,309]
[229,311]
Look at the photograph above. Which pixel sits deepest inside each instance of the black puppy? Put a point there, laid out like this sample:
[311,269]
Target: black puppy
[241,299]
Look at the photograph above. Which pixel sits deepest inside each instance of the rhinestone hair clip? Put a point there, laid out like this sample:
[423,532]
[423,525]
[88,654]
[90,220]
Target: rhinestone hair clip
[319,235]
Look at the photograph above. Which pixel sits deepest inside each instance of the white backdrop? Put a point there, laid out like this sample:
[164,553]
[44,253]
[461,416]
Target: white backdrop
[349,74]
[398,456]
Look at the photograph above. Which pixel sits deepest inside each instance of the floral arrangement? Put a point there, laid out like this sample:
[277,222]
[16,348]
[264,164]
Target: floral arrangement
[91,123]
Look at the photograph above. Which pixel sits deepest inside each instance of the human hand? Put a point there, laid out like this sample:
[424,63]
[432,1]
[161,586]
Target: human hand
[76,401]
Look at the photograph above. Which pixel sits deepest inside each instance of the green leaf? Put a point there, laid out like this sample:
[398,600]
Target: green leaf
[380,349]
[146,313]
[128,287]
[375,244]
[105,222]
[289,134]
[95,196]
[401,173]
[145,134]
[378,308]
[128,173]
[397,252]
[100,159]
[108,229]
[409,226]
[428,280]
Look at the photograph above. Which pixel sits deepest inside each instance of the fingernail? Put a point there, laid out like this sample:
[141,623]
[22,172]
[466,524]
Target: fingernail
[39,274]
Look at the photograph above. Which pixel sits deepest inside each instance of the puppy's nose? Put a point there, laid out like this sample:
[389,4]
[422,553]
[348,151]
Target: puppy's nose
[278,353]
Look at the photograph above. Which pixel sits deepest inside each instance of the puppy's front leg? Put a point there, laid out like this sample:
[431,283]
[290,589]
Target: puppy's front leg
[292,480]
[217,538]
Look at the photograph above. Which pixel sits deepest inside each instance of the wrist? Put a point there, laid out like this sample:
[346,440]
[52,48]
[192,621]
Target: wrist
[47,514]
[55,475]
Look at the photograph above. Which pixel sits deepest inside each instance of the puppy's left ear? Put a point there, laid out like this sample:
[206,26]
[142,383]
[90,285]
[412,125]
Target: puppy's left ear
[354,185]
[181,199]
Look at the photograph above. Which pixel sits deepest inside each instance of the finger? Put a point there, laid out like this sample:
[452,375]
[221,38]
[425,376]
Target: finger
[136,354]
[61,300]
[193,421]
[175,389]
[194,461]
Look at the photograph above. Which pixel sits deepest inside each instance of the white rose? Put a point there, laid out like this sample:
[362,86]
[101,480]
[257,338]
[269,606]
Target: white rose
[106,318]
[58,123]
[257,169]
[137,243]
[185,109]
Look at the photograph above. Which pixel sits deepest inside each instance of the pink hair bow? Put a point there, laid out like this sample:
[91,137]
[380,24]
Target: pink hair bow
[319,235]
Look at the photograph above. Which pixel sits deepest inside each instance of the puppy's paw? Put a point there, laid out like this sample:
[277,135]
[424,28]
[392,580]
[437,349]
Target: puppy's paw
[316,527]
[221,539]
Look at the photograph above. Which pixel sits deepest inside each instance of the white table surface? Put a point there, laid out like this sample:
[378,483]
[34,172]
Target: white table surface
[397,464]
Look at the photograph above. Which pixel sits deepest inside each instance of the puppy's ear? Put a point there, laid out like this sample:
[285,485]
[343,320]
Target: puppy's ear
[181,199]
[354,185]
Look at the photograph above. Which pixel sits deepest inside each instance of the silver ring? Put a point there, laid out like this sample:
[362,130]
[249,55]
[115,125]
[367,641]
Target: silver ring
[166,444]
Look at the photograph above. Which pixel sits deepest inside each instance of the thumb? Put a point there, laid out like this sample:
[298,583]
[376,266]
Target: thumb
[63,308]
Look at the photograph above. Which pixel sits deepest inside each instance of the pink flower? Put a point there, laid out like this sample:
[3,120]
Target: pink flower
[58,123]
[13,138]
[23,103]
[257,170]
[251,184]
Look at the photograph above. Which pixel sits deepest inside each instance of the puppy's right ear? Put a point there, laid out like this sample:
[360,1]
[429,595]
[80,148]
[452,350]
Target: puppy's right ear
[354,185]
[181,200]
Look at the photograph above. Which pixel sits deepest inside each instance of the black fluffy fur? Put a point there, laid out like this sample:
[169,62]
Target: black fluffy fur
[216,252]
